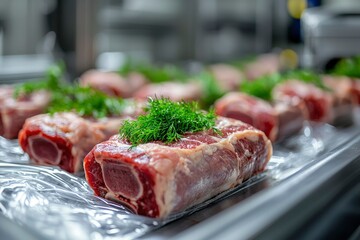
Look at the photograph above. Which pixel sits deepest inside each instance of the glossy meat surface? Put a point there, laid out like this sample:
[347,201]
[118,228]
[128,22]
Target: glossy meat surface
[156,179]
[317,101]
[63,139]
[251,110]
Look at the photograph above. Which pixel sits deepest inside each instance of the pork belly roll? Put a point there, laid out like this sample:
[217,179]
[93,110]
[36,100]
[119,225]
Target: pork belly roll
[63,139]
[14,111]
[157,179]
[251,110]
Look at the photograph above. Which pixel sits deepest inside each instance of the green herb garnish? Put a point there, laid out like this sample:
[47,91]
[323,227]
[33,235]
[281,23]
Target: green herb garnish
[50,83]
[305,76]
[242,63]
[167,121]
[348,67]
[65,97]
[211,89]
[153,73]
[261,87]
[85,101]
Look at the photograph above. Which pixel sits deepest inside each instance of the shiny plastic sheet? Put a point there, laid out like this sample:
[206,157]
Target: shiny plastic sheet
[57,204]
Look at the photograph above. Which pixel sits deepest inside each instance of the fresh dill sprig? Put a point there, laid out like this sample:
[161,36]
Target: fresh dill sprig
[348,67]
[210,88]
[261,87]
[65,97]
[85,101]
[167,121]
[242,63]
[154,74]
[305,76]
[50,83]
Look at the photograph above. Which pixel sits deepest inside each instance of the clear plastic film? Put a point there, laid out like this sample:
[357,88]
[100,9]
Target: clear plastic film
[57,204]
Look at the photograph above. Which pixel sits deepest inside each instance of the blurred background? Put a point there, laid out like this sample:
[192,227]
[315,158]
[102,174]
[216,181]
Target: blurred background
[102,34]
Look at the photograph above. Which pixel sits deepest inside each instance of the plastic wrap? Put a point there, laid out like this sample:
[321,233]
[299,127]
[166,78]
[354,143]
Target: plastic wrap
[55,203]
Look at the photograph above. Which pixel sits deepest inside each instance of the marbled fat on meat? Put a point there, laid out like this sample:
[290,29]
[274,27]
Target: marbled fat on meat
[63,139]
[317,101]
[251,110]
[333,105]
[157,179]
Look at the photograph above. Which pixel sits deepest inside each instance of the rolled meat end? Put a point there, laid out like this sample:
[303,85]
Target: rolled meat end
[251,110]
[63,139]
[14,112]
[157,179]
[317,101]
[176,91]
[112,83]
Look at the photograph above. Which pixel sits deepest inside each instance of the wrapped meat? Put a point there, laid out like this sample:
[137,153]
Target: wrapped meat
[14,111]
[277,121]
[63,139]
[322,105]
[251,110]
[157,179]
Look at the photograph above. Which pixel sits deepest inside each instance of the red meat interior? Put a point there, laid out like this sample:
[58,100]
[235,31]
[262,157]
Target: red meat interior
[44,150]
[239,116]
[316,108]
[122,179]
